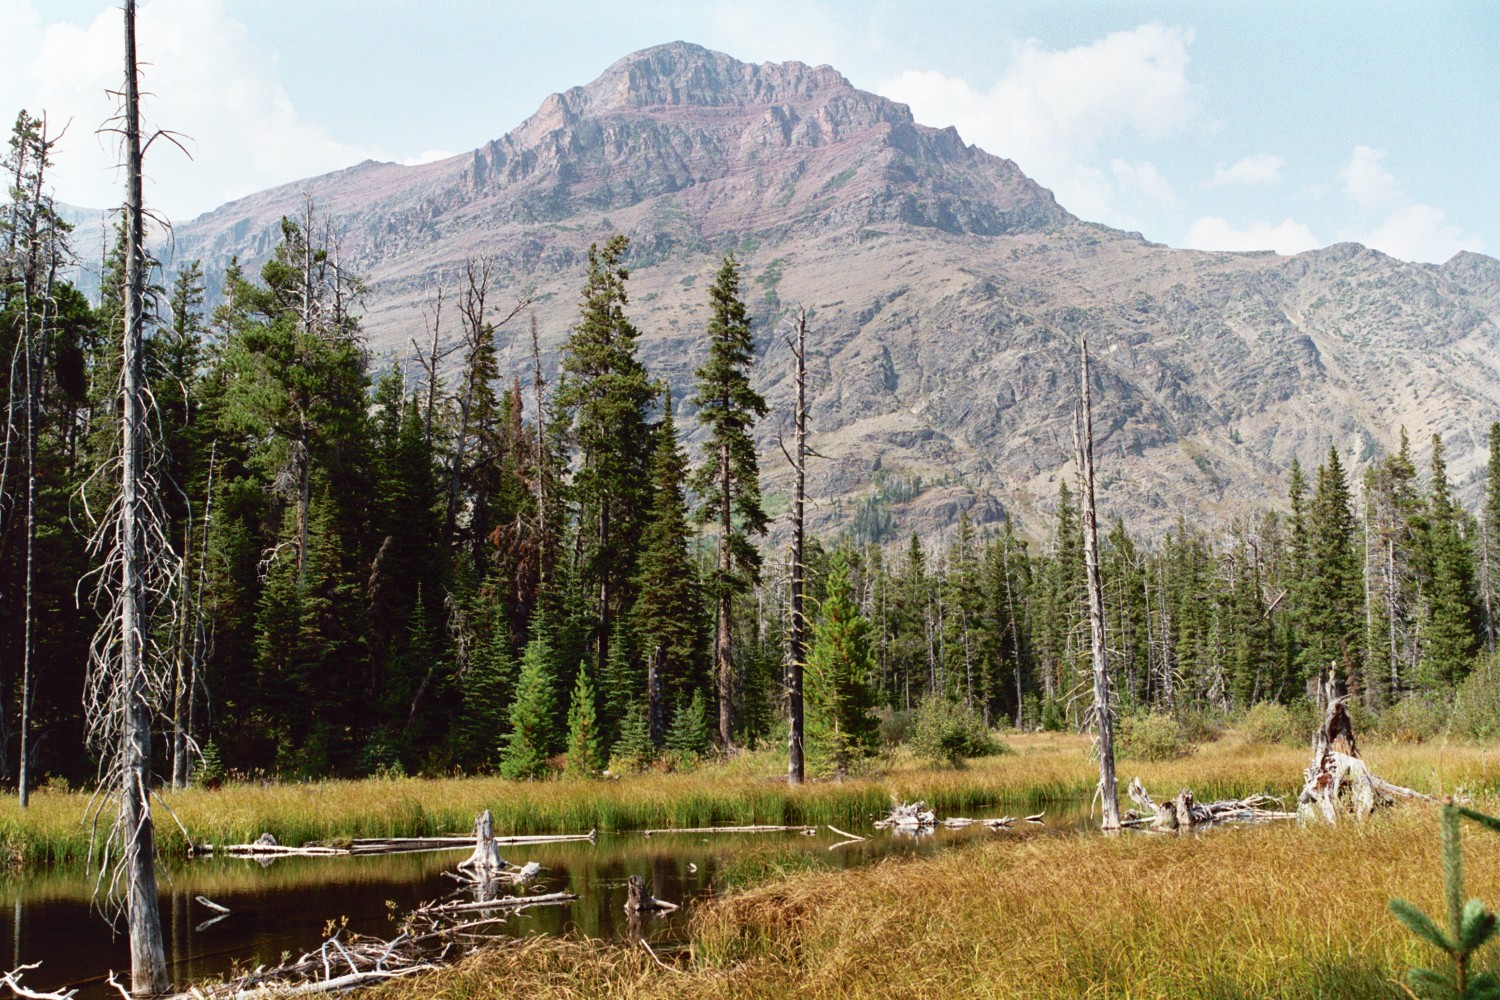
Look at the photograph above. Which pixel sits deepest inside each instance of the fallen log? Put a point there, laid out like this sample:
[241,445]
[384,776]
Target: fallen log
[638,900]
[498,903]
[732,829]
[1184,813]
[908,816]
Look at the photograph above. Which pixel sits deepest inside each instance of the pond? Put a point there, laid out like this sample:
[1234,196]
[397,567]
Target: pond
[285,906]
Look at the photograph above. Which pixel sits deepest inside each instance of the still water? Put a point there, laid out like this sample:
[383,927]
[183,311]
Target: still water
[284,907]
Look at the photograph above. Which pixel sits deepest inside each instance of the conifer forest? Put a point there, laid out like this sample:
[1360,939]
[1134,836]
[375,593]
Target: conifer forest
[430,565]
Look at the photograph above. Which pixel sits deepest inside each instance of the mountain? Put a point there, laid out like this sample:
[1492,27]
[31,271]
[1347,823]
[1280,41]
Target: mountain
[946,291]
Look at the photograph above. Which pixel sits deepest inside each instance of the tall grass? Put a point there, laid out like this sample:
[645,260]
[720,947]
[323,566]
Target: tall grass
[1275,911]
[1045,769]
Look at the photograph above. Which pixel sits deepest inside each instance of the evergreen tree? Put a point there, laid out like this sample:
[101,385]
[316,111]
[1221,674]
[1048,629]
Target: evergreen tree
[727,481]
[633,751]
[1489,544]
[668,609]
[487,684]
[606,392]
[533,731]
[1450,625]
[839,664]
[689,734]
[1332,593]
[584,757]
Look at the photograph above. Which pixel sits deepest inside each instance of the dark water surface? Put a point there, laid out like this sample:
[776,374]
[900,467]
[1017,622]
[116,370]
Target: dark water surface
[285,906]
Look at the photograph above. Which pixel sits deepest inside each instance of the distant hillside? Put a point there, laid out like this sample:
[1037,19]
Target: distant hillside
[947,291]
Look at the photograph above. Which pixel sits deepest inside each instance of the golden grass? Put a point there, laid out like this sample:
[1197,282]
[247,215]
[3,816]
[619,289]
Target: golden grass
[1045,768]
[1274,911]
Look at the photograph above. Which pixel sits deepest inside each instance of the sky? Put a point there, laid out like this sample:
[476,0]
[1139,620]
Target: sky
[1219,124]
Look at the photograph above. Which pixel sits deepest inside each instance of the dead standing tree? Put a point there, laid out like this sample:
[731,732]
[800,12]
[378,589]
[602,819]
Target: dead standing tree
[1103,717]
[134,573]
[797,646]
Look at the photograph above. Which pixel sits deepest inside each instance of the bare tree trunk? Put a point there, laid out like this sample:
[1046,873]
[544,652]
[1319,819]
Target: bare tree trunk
[797,647]
[1103,714]
[723,665]
[656,721]
[23,778]
[148,964]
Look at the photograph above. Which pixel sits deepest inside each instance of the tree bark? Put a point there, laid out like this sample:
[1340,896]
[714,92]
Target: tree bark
[148,964]
[723,666]
[797,647]
[1103,714]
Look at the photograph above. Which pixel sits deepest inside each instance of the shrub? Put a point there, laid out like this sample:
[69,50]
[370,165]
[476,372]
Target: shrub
[1269,722]
[1476,714]
[895,725]
[1150,736]
[1414,719]
[945,730]
[1201,725]
[210,770]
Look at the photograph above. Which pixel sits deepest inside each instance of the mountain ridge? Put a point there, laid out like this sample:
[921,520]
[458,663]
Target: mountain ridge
[947,290]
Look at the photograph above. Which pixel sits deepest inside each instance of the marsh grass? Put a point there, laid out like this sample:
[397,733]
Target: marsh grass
[1045,768]
[1274,911]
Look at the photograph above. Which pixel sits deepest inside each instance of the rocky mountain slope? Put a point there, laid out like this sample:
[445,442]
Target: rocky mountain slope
[946,292]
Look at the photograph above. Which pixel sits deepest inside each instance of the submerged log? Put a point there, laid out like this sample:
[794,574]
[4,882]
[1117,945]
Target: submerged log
[638,900]
[733,829]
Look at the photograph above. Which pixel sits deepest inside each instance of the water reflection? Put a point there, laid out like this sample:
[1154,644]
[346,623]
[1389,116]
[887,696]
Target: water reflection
[281,910]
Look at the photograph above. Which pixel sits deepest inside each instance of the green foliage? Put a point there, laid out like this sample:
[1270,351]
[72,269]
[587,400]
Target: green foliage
[689,736]
[1150,736]
[1414,719]
[583,730]
[944,730]
[841,723]
[633,750]
[1476,707]
[210,771]
[1470,925]
[1269,722]
[532,737]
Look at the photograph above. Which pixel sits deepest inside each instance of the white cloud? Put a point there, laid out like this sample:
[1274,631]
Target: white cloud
[1368,184]
[1259,168]
[1215,233]
[427,156]
[1393,223]
[202,77]
[1052,109]
[1143,177]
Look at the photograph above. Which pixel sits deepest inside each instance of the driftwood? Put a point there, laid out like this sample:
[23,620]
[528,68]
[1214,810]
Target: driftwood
[1337,781]
[1184,813]
[638,900]
[266,846]
[733,829]
[486,857]
[908,816]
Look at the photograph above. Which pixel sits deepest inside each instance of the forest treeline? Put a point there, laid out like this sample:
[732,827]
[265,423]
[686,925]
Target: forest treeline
[437,565]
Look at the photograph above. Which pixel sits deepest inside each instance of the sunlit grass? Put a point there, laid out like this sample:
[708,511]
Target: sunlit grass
[1271,911]
[750,789]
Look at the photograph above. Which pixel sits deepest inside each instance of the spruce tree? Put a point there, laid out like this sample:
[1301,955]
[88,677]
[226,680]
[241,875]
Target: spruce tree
[689,734]
[727,480]
[668,611]
[487,685]
[1449,625]
[584,757]
[841,718]
[1332,593]
[533,730]
[633,751]
[606,393]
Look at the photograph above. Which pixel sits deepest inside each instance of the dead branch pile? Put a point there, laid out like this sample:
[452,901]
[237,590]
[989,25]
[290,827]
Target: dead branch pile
[908,816]
[1183,813]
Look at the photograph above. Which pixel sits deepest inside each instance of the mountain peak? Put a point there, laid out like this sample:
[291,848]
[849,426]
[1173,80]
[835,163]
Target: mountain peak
[684,74]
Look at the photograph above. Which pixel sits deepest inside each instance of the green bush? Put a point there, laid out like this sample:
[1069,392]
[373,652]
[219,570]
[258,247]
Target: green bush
[1268,722]
[945,730]
[1150,736]
[1201,725]
[1414,719]
[895,725]
[1476,708]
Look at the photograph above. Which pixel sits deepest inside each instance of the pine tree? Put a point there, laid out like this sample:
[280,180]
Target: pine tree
[1449,625]
[584,757]
[533,732]
[633,751]
[841,719]
[668,611]
[727,481]
[487,685]
[689,734]
[1332,592]
[1489,544]
[606,392]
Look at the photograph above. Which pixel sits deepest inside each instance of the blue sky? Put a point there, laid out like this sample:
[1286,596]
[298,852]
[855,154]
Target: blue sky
[1223,125]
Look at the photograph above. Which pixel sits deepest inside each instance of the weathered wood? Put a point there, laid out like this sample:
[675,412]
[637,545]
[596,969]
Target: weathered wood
[486,857]
[638,900]
[730,829]
[1338,782]
[500,903]
[908,816]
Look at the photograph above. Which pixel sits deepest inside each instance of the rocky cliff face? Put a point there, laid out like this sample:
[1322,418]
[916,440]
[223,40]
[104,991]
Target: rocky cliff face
[947,292]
